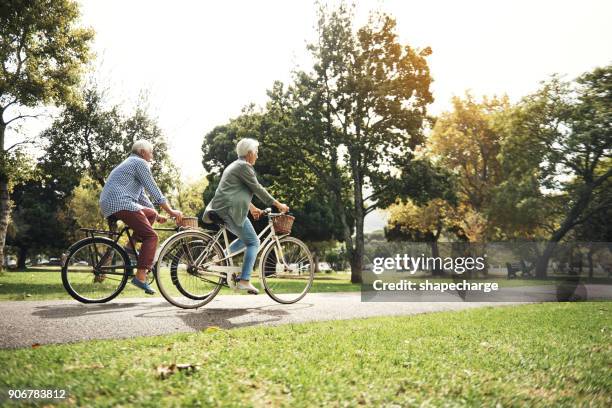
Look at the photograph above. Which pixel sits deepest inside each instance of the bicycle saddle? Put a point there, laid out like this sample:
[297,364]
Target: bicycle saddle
[112,222]
[214,217]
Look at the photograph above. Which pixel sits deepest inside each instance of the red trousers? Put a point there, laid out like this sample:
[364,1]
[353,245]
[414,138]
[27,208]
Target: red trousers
[141,224]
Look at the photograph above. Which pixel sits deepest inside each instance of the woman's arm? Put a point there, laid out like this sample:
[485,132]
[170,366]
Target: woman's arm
[247,175]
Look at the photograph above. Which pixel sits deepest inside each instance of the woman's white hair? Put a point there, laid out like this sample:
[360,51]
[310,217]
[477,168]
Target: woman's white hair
[142,144]
[245,146]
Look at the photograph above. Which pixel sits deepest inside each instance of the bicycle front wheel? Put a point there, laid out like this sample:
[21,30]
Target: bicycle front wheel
[96,270]
[178,272]
[287,270]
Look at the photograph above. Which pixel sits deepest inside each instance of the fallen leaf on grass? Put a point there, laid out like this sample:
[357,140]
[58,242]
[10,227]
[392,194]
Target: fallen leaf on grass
[165,371]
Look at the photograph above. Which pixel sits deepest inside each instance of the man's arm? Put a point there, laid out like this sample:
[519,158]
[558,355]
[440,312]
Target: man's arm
[144,200]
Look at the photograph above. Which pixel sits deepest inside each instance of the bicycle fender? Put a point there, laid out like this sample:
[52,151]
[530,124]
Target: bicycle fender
[159,248]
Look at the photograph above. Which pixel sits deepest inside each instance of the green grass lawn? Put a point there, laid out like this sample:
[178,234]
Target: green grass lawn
[46,283]
[553,354]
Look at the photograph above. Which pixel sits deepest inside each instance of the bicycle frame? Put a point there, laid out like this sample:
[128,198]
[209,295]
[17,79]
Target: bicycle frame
[98,262]
[268,240]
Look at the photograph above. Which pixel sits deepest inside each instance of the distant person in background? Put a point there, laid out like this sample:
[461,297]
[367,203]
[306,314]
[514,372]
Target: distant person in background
[232,202]
[123,197]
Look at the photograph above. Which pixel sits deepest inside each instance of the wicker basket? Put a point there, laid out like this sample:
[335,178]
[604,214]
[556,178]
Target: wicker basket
[189,222]
[283,223]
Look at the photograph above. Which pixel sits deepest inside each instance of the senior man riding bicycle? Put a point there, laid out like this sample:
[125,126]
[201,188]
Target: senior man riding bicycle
[123,197]
[231,203]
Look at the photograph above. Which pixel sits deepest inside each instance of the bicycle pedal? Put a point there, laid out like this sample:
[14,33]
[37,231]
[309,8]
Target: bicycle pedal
[231,280]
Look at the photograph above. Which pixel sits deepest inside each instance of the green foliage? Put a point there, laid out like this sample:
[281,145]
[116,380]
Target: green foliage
[84,207]
[38,223]
[91,138]
[188,196]
[315,216]
[42,51]
[337,259]
[559,151]
[354,119]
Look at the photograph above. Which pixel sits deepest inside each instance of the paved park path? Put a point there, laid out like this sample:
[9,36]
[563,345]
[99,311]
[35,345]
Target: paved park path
[24,323]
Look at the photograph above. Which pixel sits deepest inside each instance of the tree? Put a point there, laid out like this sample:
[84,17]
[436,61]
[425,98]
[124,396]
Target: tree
[426,223]
[83,204]
[316,220]
[564,132]
[467,141]
[91,138]
[188,196]
[39,221]
[354,119]
[42,53]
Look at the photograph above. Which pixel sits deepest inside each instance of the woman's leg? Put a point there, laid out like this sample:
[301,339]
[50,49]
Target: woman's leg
[251,240]
[246,237]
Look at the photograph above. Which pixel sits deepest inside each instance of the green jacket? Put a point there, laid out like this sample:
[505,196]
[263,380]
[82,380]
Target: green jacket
[235,192]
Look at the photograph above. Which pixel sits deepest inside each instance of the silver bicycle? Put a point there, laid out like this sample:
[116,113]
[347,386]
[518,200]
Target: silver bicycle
[191,268]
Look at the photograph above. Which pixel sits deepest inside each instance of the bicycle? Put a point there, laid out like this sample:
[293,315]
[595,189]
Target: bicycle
[191,267]
[97,268]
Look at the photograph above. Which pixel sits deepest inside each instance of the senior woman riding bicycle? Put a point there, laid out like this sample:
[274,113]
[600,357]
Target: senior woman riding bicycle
[231,203]
[123,197]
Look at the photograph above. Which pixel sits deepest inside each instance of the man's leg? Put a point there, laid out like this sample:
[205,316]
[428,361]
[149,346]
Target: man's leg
[139,223]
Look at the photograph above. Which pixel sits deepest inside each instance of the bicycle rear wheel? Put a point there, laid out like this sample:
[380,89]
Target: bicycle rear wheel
[180,279]
[287,270]
[96,270]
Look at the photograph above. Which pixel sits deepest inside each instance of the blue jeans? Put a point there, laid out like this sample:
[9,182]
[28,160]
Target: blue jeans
[246,237]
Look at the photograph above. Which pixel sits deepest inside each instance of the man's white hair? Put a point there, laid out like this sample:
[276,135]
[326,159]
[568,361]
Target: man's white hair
[245,146]
[142,144]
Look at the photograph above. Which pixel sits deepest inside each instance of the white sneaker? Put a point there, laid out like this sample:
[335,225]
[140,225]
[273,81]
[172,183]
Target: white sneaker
[248,287]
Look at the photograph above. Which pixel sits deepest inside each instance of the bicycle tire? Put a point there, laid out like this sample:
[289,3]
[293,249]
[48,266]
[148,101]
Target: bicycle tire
[165,290]
[74,249]
[267,276]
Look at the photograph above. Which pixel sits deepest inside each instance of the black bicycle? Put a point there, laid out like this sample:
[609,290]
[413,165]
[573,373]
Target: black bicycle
[97,268]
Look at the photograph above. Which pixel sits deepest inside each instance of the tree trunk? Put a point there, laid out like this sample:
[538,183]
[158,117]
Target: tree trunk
[435,253]
[590,258]
[357,258]
[315,257]
[5,204]
[21,258]
[566,226]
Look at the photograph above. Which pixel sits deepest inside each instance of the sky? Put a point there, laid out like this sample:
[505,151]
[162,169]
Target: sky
[200,62]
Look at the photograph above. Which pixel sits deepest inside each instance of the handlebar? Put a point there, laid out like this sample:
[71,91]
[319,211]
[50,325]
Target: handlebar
[269,213]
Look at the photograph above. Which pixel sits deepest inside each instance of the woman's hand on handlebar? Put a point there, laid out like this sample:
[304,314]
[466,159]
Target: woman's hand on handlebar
[256,212]
[281,207]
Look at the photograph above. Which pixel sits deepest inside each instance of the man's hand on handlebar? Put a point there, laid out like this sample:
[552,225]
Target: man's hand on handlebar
[177,215]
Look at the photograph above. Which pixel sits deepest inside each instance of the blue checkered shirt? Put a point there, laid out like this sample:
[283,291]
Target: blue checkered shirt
[125,187]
